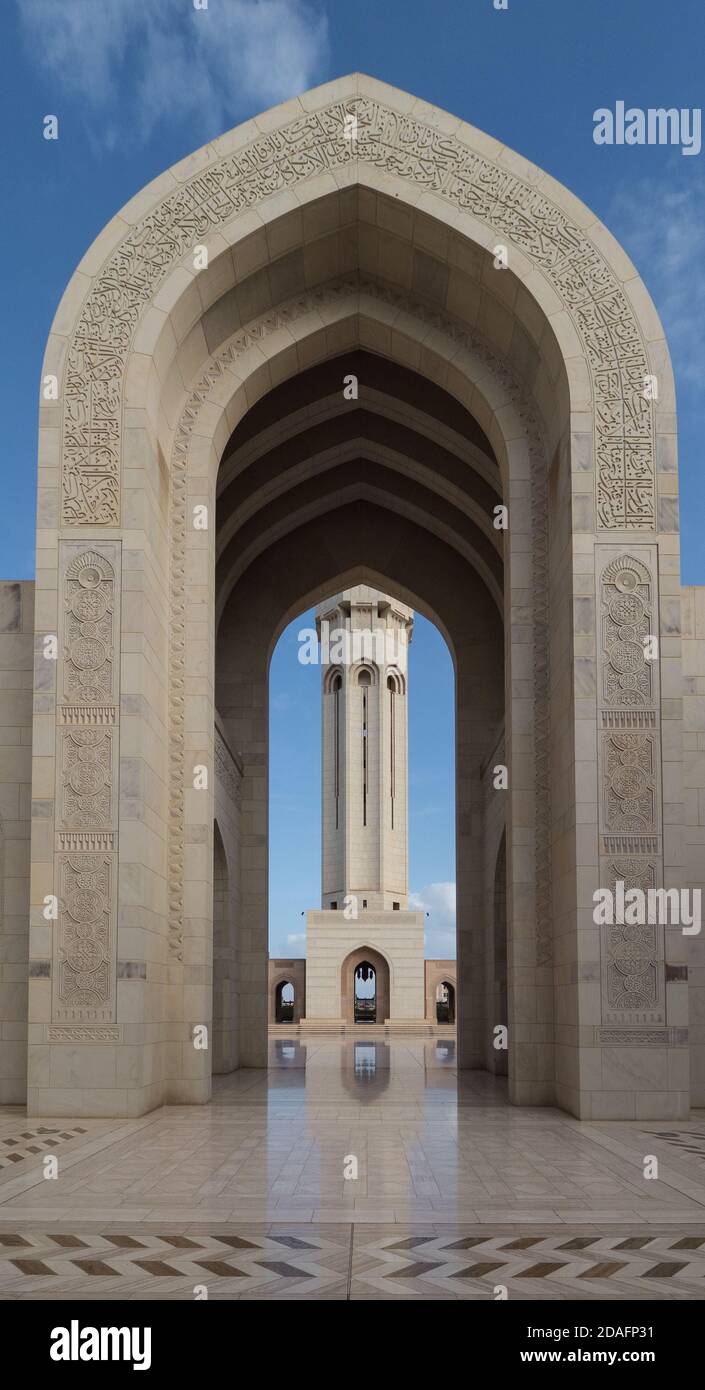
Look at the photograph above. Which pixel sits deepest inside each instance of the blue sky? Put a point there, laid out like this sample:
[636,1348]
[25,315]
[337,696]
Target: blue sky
[138,84]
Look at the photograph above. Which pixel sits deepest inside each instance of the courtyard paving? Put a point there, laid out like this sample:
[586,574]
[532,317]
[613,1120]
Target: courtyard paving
[458,1194]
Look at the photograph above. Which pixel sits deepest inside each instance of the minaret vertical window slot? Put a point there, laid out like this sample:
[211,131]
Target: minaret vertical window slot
[364,756]
[336,685]
[364,680]
[392,745]
[395,686]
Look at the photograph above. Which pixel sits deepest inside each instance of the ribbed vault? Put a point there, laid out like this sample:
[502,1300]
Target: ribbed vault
[403,445]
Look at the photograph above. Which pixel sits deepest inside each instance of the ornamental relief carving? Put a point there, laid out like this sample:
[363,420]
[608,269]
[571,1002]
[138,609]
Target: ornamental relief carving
[84,980]
[86,783]
[629,782]
[404,147]
[627,616]
[86,765]
[89,668]
[110,1033]
[633,954]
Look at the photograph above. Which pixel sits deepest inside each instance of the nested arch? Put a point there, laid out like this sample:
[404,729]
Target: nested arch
[302,571]
[333,680]
[317,250]
[359,958]
[364,675]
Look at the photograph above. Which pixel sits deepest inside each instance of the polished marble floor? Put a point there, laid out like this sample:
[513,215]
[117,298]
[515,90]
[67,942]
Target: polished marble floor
[456,1192]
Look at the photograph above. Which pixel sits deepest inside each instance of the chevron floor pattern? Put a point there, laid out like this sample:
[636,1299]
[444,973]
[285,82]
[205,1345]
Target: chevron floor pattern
[354,1262]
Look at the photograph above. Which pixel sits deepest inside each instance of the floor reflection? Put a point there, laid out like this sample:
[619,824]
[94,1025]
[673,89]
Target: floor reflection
[287,1052]
[415,1069]
[365,1067]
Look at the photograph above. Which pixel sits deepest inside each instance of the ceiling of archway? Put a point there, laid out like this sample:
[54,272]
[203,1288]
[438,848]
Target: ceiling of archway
[403,442]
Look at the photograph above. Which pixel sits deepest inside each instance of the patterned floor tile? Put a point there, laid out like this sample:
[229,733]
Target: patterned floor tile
[35,1265]
[547,1265]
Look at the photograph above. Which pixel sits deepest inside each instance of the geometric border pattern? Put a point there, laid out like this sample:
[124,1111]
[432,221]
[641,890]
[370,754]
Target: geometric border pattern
[343,1263]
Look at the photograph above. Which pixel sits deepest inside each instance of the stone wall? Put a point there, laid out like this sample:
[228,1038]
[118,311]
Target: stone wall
[227,877]
[693,620]
[16,678]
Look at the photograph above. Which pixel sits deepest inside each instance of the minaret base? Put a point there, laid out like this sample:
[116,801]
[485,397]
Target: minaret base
[391,942]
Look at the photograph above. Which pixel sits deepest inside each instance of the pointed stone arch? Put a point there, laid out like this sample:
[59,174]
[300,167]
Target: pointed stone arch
[382,967]
[318,245]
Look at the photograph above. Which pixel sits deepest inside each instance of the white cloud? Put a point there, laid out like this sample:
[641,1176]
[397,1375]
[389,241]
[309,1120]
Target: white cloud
[153,60]
[296,938]
[662,227]
[439,900]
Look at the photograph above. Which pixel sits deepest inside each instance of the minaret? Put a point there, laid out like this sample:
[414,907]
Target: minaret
[364,929]
[364,635]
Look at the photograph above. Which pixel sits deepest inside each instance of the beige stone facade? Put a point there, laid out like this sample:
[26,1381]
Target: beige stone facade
[16,678]
[203,479]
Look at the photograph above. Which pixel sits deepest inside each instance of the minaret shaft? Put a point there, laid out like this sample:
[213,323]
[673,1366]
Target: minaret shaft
[364,638]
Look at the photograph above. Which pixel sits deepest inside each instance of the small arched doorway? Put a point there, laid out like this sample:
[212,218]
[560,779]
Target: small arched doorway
[284,1000]
[365,993]
[445,1002]
[364,987]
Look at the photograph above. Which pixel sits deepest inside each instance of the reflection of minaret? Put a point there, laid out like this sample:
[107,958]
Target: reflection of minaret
[364,636]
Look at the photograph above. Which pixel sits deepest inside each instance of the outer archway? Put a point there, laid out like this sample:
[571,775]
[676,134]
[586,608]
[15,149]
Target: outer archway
[320,244]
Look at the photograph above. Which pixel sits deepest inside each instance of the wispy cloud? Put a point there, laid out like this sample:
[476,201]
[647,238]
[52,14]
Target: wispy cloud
[439,900]
[661,224]
[145,61]
[281,702]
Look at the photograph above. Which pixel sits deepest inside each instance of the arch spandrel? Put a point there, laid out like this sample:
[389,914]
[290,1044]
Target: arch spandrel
[440,164]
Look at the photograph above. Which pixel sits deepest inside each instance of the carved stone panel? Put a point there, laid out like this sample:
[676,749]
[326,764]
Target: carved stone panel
[627,615]
[86,778]
[91,595]
[84,969]
[629,789]
[85,945]
[629,781]
[633,980]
